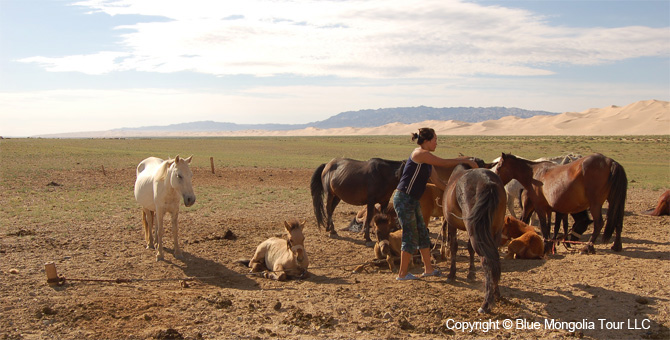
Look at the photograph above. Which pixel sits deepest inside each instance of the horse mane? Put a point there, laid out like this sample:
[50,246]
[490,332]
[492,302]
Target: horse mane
[163,169]
[293,224]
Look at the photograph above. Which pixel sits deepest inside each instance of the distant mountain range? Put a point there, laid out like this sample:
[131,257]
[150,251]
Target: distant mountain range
[360,119]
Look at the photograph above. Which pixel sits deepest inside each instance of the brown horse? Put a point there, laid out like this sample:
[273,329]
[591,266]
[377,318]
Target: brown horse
[389,246]
[358,221]
[572,188]
[524,242]
[663,206]
[582,221]
[475,201]
[431,206]
[354,182]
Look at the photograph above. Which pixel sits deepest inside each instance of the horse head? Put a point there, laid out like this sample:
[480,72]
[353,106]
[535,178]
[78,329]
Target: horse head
[383,224]
[296,242]
[180,176]
[503,168]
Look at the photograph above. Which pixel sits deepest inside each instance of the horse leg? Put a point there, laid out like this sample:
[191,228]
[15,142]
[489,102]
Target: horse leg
[257,262]
[390,259]
[545,227]
[598,222]
[558,219]
[366,225]
[491,281]
[331,203]
[160,214]
[445,239]
[278,273]
[175,236]
[453,247]
[148,223]
[471,270]
[510,204]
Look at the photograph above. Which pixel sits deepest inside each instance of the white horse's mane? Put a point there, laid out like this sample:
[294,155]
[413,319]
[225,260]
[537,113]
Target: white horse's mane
[163,169]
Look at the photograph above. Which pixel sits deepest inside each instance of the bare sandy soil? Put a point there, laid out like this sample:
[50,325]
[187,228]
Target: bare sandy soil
[208,295]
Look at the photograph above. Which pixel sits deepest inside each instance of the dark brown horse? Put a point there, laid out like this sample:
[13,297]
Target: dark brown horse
[475,200]
[354,182]
[572,188]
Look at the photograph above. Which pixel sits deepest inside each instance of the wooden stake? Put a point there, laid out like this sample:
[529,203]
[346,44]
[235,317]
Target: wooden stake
[52,275]
[103,170]
[211,162]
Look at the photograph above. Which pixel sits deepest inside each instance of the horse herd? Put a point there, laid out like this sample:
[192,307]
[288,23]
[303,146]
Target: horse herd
[473,200]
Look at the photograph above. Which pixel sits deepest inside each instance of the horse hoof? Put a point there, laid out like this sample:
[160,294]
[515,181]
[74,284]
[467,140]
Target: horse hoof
[159,258]
[451,279]
[481,311]
[472,277]
[179,256]
[332,235]
[616,247]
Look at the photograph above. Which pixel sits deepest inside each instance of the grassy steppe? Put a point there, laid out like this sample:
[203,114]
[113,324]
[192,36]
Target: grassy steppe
[645,158]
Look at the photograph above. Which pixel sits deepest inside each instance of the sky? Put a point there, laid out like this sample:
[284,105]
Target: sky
[96,65]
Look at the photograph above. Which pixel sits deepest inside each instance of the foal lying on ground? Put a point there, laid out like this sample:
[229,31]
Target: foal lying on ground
[524,243]
[388,248]
[281,259]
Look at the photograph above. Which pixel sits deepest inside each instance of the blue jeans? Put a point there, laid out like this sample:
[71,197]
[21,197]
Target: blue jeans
[414,231]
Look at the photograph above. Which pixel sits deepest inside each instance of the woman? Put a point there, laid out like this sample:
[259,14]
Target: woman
[415,175]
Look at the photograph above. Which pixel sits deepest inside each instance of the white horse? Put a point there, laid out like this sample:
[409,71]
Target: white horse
[159,187]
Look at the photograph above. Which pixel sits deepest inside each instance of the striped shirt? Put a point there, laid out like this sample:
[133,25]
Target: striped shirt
[414,178]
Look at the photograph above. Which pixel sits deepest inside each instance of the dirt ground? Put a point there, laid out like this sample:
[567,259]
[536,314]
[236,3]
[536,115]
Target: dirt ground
[209,296]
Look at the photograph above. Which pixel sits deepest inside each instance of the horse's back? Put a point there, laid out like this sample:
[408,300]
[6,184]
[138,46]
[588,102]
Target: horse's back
[148,164]
[569,188]
[144,188]
[360,182]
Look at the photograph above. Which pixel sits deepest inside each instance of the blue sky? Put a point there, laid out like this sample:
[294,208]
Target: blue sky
[91,65]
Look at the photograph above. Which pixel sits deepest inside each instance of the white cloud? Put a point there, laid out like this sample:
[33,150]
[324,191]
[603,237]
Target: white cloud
[351,39]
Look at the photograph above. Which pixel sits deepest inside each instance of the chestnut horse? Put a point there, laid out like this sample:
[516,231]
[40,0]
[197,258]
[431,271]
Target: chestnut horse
[389,246]
[475,200]
[524,242]
[572,188]
[354,182]
[663,206]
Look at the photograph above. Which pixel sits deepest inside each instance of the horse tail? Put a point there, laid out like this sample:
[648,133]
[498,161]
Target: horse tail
[316,187]
[616,199]
[481,219]
[243,262]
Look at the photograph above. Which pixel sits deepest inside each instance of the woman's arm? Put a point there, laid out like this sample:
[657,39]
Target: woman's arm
[425,156]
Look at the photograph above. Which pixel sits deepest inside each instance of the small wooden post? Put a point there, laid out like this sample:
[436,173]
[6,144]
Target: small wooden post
[211,162]
[52,275]
[103,170]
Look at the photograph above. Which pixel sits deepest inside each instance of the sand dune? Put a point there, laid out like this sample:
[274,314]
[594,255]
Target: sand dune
[649,117]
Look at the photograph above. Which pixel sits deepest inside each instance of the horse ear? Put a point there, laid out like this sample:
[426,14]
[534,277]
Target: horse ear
[287,226]
[188,160]
[176,159]
[302,224]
